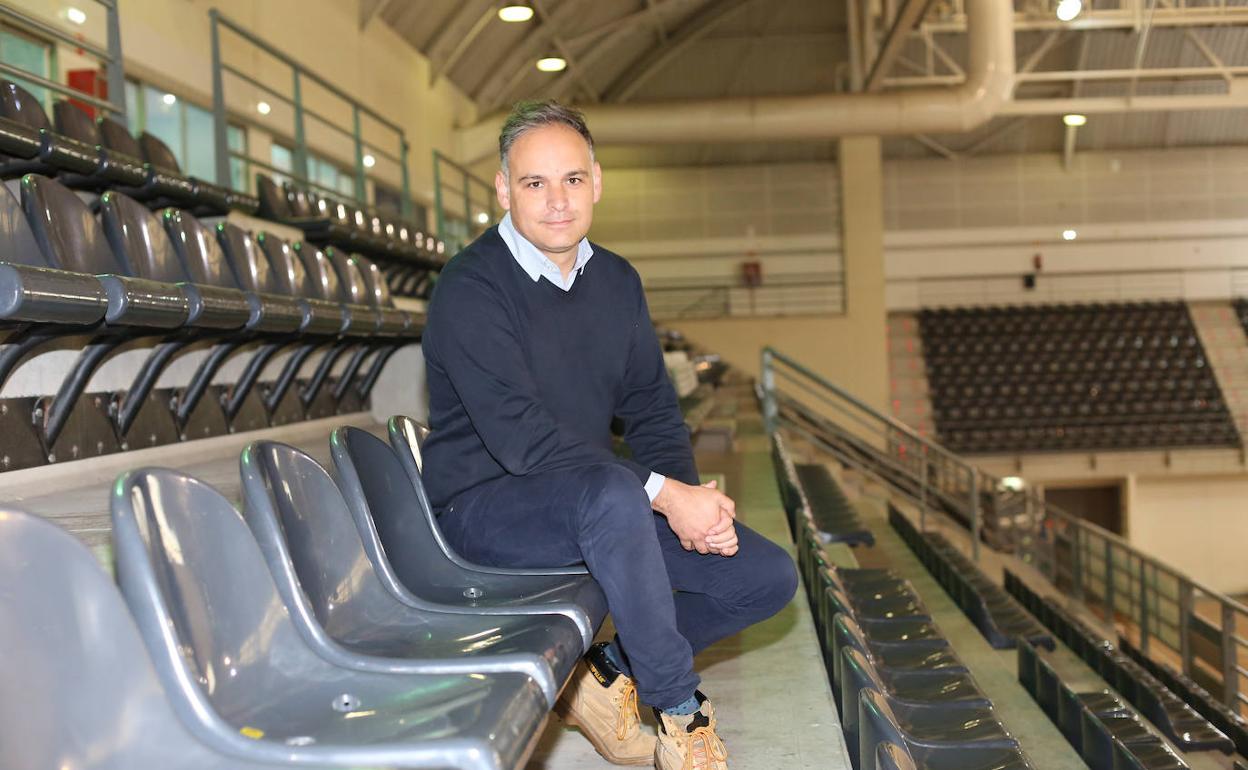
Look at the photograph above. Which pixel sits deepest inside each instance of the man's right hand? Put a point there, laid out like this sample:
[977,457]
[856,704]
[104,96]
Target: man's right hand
[696,513]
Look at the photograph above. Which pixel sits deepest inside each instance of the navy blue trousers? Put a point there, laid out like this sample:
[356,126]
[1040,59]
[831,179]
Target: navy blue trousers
[668,604]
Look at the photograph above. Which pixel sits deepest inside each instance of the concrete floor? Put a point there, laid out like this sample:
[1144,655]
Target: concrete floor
[774,704]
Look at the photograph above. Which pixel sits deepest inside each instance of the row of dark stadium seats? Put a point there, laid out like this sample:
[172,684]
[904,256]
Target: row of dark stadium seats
[1065,438]
[1176,719]
[998,617]
[325,625]
[1108,733]
[905,699]
[167,279]
[100,155]
[1072,386]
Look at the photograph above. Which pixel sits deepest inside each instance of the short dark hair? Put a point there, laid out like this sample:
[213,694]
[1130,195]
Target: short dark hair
[531,114]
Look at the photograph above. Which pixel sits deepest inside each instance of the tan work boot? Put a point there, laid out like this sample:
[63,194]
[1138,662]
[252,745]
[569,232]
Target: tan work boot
[602,703]
[690,742]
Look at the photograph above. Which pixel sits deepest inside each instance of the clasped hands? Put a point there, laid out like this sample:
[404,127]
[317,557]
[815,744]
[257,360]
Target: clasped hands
[703,518]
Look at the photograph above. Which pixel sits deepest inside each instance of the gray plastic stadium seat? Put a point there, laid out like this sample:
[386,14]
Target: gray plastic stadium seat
[393,521]
[113,168]
[81,689]
[949,692]
[53,153]
[931,746]
[890,756]
[890,658]
[159,185]
[234,665]
[344,612]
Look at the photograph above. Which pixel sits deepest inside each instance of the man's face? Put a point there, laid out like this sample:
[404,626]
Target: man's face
[551,189]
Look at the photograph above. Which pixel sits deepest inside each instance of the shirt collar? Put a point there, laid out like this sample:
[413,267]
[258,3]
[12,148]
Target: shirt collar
[535,263]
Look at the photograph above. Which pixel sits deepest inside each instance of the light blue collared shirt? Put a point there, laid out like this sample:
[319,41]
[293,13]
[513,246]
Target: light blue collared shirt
[537,265]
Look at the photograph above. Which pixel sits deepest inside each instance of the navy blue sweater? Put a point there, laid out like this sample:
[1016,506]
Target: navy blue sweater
[526,378]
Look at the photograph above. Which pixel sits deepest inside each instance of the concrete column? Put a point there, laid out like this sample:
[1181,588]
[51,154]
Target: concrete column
[864,335]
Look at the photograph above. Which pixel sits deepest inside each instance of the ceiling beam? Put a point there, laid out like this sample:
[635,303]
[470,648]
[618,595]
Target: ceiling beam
[450,38]
[517,64]
[645,66]
[574,68]
[908,17]
[444,66]
[370,9]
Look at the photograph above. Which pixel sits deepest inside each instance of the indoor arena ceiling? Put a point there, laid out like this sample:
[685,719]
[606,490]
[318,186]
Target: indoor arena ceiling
[657,50]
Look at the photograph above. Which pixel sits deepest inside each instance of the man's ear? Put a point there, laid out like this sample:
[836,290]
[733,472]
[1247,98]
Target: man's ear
[501,191]
[597,181]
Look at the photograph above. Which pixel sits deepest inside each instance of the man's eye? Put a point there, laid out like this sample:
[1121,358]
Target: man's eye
[534,185]
[575,180]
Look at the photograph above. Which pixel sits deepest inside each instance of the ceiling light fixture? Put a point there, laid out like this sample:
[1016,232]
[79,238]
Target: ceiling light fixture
[483,218]
[1075,120]
[169,99]
[369,161]
[515,12]
[264,108]
[552,64]
[76,15]
[1067,10]
[1069,235]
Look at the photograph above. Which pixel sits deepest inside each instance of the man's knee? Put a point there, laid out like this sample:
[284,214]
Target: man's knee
[614,495]
[774,577]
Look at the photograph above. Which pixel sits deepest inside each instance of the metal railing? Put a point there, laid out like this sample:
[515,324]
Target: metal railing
[447,196]
[783,295]
[299,75]
[109,54]
[1170,616]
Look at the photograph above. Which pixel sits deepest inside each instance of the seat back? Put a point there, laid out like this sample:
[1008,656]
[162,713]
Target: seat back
[20,106]
[69,237]
[392,515]
[17,241]
[72,121]
[305,530]
[876,724]
[251,268]
[273,203]
[158,154]
[205,602]
[138,239]
[196,246]
[890,756]
[322,278]
[289,275]
[1047,686]
[857,674]
[117,138]
[80,688]
[1027,661]
[407,437]
[351,285]
[845,634]
[376,290]
[297,200]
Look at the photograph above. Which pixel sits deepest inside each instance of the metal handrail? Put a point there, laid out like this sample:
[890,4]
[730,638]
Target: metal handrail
[1099,567]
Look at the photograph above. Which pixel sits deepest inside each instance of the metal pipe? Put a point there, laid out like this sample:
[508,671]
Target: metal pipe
[43,28]
[59,88]
[220,126]
[114,67]
[988,87]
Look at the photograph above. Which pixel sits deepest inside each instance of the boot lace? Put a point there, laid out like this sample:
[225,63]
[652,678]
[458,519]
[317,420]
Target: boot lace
[703,741]
[627,718]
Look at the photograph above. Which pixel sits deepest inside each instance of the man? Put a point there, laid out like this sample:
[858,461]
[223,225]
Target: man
[536,341]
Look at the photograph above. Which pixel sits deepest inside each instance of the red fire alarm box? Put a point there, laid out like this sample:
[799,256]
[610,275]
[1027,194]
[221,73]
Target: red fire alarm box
[752,274]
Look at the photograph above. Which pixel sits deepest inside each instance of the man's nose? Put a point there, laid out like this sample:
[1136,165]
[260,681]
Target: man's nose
[557,198]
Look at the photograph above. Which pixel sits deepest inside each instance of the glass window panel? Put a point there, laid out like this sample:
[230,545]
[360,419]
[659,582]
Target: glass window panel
[281,157]
[163,113]
[27,54]
[201,151]
[239,168]
[134,112]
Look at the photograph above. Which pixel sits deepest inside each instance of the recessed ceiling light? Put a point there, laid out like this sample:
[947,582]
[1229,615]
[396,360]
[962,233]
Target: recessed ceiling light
[552,64]
[1075,119]
[263,108]
[515,12]
[1069,235]
[483,217]
[369,161]
[76,15]
[169,99]
[1067,10]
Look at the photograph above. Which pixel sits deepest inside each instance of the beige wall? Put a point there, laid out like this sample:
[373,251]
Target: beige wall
[848,349]
[1198,525]
[167,43]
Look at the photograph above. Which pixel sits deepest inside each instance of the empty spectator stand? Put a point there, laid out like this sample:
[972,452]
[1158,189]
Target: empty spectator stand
[1097,376]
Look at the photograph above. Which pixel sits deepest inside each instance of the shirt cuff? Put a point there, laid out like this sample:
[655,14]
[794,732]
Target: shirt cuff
[653,485]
